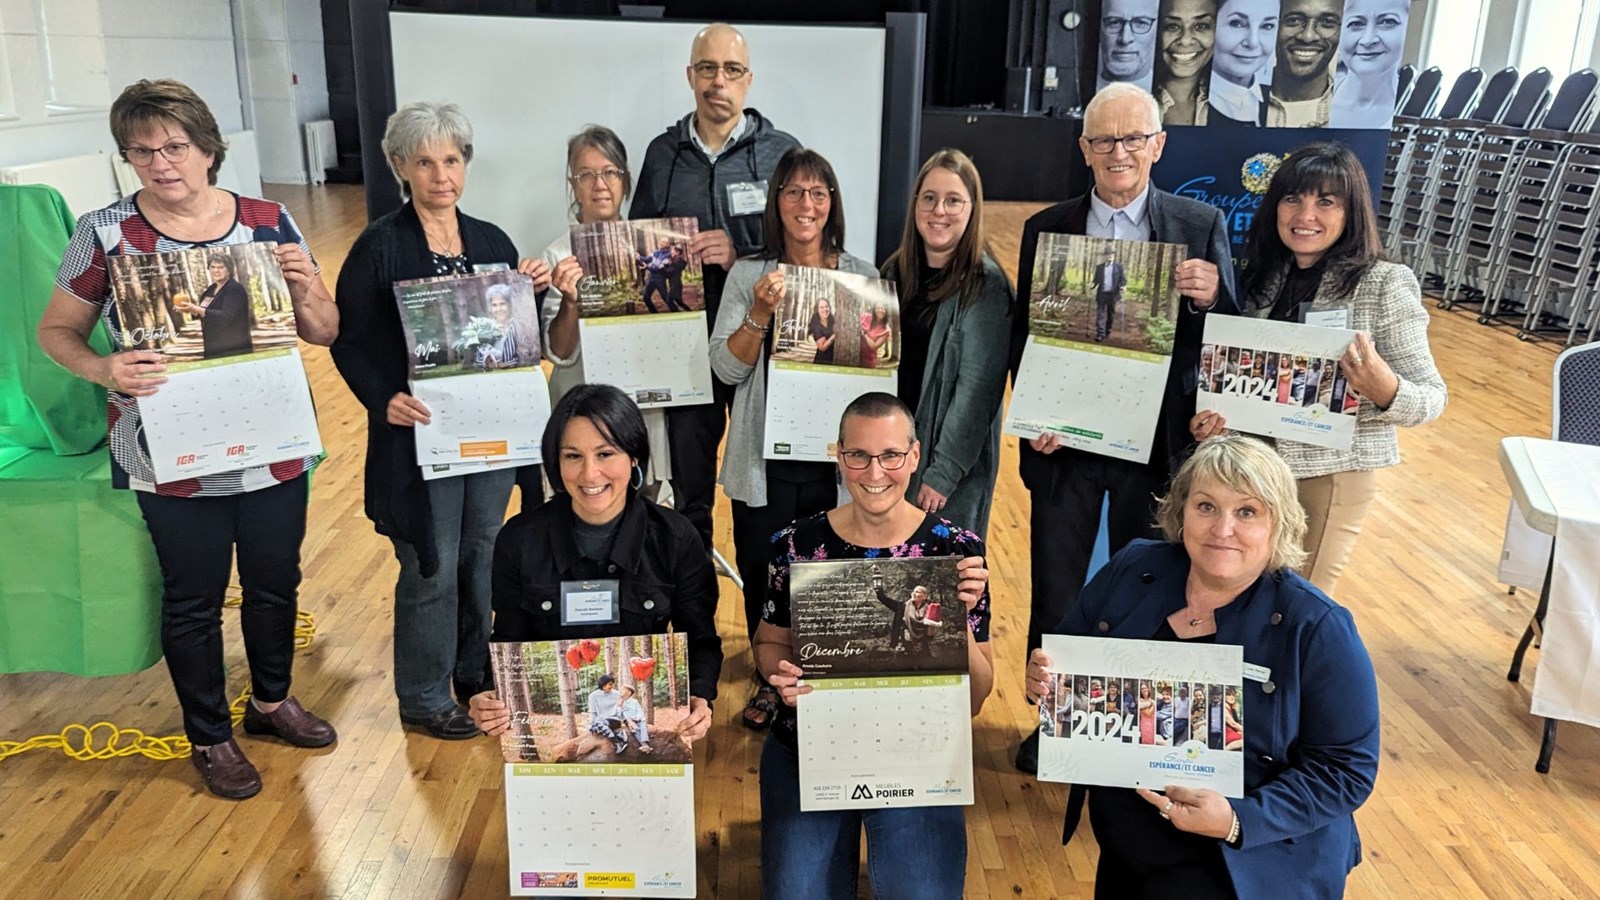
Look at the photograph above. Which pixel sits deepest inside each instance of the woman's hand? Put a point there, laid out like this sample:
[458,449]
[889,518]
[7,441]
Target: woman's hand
[930,500]
[974,581]
[1199,811]
[1037,679]
[489,713]
[186,306]
[712,248]
[1207,423]
[697,723]
[1368,373]
[407,411]
[298,271]
[566,277]
[1046,443]
[787,681]
[135,372]
[537,269]
[769,293]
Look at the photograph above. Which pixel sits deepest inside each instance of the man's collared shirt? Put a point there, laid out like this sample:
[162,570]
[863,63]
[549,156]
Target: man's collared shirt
[733,136]
[1130,223]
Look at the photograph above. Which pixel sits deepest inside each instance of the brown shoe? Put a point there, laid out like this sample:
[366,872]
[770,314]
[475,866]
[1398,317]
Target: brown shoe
[291,722]
[226,771]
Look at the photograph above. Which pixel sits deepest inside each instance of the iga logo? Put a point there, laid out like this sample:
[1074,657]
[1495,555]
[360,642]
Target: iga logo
[236,450]
[862,792]
[185,459]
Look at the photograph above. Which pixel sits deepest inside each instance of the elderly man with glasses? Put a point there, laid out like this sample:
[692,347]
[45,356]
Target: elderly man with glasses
[713,164]
[1122,139]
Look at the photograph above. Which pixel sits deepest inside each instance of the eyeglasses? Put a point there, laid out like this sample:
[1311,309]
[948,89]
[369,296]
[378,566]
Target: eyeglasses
[1132,143]
[708,70]
[1327,25]
[1137,24]
[888,460]
[930,201]
[174,151]
[818,195]
[586,178]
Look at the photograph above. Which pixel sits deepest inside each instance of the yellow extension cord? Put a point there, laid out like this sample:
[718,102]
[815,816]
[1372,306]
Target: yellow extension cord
[104,740]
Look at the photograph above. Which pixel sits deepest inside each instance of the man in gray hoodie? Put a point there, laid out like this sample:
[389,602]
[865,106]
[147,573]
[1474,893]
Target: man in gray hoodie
[713,164]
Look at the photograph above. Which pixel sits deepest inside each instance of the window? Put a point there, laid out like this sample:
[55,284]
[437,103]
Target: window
[74,55]
[1455,36]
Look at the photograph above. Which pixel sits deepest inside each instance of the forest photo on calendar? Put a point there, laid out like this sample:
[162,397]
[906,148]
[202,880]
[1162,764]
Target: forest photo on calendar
[638,267]
[596,700]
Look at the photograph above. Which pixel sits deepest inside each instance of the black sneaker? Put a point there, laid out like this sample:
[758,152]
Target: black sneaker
[1028,753]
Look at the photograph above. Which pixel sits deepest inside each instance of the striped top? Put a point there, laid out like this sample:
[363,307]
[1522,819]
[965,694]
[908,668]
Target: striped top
[121,229]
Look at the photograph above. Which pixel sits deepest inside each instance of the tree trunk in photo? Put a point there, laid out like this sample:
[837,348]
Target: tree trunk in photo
[611,654]
[628,650]
[848,342]
[566,683]
[649,689]
[524,688]
[671,649]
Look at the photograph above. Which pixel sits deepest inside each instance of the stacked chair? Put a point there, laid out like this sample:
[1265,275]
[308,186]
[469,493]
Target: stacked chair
[1415,109]
[1441,148]
[1512,181]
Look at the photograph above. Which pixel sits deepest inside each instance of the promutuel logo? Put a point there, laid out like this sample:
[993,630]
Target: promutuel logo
[862,792]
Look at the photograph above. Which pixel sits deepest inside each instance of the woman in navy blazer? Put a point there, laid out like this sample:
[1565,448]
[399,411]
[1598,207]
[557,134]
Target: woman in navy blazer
[1225,575]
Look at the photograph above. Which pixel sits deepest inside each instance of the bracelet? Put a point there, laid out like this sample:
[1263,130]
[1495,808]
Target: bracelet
[755,326]
[1232,839]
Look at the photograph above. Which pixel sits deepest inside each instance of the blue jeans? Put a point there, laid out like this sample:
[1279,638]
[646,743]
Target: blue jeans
[916,853]
[441,624]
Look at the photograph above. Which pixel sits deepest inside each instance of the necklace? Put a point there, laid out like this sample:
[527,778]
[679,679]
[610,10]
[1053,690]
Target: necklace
[446,247]
[1195,623]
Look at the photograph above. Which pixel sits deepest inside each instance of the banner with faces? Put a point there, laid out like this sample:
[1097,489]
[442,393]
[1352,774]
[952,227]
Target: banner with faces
[1259,63]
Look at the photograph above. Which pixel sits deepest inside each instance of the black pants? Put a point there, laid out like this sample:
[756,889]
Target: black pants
[196,539]
[694,433]
[754,526]
[1105,307]
[1065,523]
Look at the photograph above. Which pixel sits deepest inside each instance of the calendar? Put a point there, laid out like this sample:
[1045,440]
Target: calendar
[883,643]
[1279,379]
[225,415]
[805,403]
[474,347]
[496,416]
[598,830]
[599,782]
[1101,323]
[660,360]
[1123,713]
[638,267]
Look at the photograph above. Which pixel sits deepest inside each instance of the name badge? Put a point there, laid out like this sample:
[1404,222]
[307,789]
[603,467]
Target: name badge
[1328,318]
[1254,672]
[480,268]
[590,602]
[747,197]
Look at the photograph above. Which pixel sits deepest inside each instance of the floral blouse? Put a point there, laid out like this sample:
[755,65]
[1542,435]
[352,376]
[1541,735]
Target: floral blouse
[813,538]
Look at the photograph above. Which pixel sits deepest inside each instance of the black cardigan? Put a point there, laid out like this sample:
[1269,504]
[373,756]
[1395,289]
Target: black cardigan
[371,355]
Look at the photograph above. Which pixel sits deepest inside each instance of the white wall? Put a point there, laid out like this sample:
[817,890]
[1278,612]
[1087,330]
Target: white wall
[113,43]
[284,79]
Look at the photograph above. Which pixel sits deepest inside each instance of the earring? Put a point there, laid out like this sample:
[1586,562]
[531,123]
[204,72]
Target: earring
[638,477]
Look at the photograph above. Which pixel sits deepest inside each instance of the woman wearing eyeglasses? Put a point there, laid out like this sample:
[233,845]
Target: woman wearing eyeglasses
[198,525]
[804,226]
[955,332]
[916,852]
[443,531]
[598,176]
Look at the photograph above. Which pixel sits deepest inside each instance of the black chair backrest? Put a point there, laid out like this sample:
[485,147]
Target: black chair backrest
[1531,96]
[1408,74]
[1492,102]
[1462,94]
[1571,100]
[1423,93]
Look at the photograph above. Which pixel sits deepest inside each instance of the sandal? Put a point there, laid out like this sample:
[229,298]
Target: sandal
[761,709]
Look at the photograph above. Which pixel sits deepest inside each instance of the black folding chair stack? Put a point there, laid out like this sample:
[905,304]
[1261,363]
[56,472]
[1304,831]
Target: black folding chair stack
[1417,106]
[1563,298]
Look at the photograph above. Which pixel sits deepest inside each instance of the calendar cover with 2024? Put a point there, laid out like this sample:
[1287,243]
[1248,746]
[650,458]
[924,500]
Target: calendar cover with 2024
[1126,713]
[596,733]
[888,720]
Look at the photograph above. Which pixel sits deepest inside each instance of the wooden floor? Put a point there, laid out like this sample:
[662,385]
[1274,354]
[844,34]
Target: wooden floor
[1458,812]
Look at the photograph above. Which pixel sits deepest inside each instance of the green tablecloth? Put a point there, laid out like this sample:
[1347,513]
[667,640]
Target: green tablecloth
[42,406]
[80,591]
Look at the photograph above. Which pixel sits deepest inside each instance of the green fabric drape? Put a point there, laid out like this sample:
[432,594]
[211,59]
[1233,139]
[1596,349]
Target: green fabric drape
[42,406]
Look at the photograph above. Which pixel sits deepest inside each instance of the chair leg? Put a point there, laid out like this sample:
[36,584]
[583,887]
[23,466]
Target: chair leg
[1546,749]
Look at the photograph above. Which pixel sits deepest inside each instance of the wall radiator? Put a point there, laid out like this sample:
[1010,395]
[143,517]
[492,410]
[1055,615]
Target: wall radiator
[322,152]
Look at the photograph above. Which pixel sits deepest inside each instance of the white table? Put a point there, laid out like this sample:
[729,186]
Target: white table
[1539,511]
